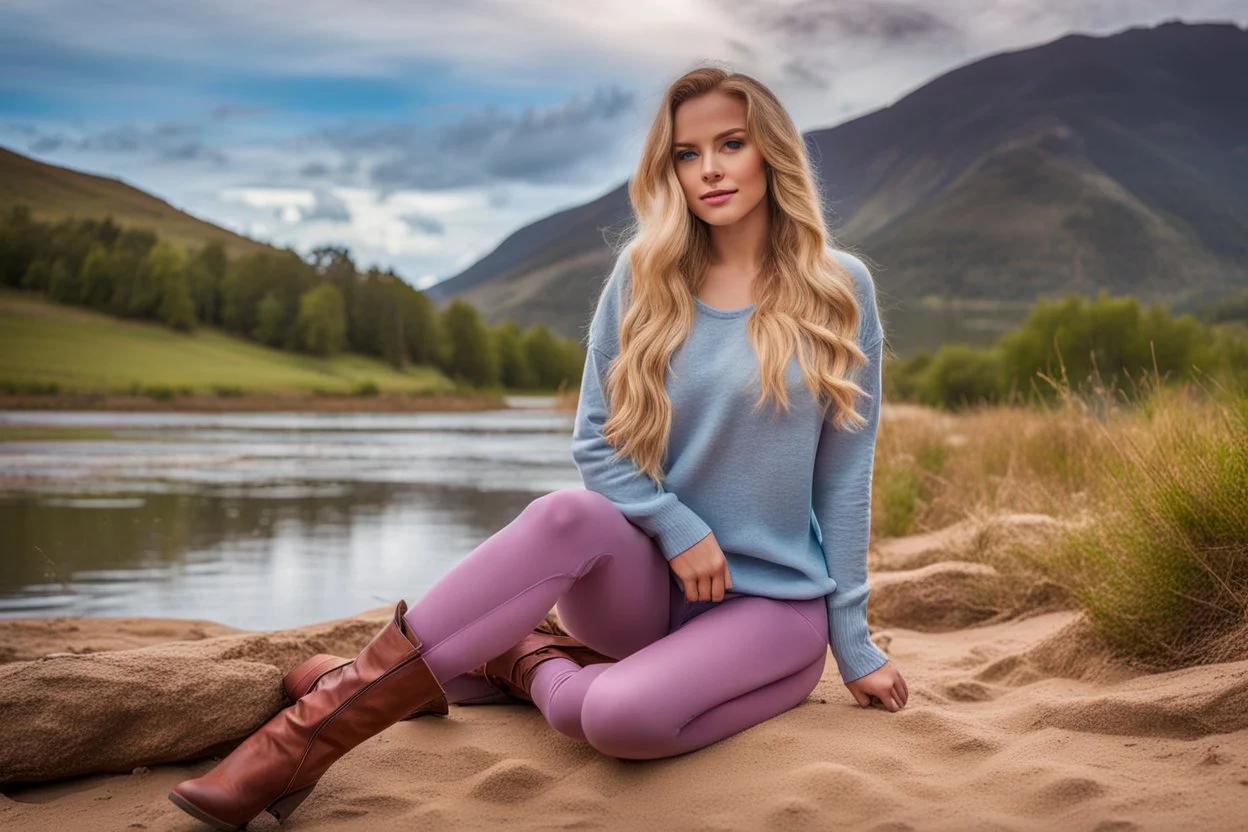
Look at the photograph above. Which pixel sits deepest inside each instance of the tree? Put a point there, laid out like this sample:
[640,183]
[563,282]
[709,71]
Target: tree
[148,286]
[19,244]
[129,256]
[421,332]
[471,355]
[63,283]
[270,317]
[177,310]
[162,293]
[334,264]
[390,322]
[322,320]
[513,363]
[37,275]
[250,280]
[544,356]
[95,281]
[573,362]
[205,274]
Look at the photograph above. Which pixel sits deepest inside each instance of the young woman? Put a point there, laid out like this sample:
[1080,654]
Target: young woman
[720,545]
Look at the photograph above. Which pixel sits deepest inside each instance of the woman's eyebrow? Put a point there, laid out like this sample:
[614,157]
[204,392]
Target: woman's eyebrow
[719,136]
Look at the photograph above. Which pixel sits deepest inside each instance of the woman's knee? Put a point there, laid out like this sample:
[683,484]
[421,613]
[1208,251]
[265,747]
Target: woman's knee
[569,511]
[620,723]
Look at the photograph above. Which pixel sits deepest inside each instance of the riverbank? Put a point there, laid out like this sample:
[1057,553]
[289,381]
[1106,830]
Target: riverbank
[259,403]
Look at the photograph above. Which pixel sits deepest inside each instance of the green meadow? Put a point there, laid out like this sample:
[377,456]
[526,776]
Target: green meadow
[54,348]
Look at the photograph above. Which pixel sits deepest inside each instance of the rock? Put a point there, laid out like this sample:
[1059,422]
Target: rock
[70,714]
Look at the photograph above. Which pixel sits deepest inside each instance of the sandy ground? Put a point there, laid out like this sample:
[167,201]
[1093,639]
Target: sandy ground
[1018,724]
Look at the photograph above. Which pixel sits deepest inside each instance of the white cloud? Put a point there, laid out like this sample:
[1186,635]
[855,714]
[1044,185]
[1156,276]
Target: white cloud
[269,197]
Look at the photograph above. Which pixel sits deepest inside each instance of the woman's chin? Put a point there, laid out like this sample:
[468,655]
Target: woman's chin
[719,219]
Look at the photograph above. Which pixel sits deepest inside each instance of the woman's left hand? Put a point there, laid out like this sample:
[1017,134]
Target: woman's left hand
[884,684]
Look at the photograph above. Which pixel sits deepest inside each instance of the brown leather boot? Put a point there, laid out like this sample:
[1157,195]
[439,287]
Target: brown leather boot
[279,764]
[512,671]
[299,682]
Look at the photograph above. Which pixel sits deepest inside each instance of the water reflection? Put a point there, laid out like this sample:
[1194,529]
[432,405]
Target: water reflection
[261,521]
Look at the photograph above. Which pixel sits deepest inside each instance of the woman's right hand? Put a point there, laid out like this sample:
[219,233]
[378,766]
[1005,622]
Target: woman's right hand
[703,570]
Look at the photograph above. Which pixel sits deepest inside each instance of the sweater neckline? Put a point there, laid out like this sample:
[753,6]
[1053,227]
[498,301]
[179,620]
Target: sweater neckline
[716,312]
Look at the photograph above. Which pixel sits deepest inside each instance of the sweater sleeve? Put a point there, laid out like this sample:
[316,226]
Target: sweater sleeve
[655,510]
[841,502]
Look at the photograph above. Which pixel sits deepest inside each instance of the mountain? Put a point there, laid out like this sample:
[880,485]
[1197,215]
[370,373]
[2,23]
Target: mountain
[1086,163]
[54,193]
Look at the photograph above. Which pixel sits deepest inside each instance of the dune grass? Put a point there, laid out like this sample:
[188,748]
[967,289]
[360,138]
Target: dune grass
[1163,572]
[1152,487]
[54,348]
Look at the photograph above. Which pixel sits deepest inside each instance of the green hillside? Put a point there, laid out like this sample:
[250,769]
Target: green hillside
[75,349]
[54,193]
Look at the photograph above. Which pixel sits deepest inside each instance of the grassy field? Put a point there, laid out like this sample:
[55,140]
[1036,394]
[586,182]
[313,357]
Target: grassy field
[43,343]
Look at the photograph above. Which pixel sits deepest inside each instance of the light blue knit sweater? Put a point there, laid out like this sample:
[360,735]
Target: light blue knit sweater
[789,498]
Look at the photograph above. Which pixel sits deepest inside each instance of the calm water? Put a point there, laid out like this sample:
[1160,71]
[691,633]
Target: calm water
[261,521]
[912,325]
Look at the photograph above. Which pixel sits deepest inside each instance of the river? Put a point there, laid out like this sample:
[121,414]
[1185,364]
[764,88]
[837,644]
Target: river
[260,520]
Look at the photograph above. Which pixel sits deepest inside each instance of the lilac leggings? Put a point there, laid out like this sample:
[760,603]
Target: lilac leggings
[688,673]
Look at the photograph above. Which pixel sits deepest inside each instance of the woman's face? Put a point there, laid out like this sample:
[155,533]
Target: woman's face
[713,152]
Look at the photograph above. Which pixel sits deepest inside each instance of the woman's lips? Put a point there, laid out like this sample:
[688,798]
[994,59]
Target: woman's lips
[718,199]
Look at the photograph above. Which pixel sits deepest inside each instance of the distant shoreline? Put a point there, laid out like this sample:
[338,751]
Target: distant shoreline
[258,402]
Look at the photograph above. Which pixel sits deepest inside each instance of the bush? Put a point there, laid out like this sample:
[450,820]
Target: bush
[29,388]
[159,392]
[960,376]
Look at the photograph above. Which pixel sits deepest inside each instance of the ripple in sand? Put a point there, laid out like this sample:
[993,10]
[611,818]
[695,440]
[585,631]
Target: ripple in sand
[968,691]
[510,781]
[795,813]
[581,802]
[945,732]
[1012,670]
[1186,704]
[846,790]
[1065,791]
[444,764]
[366,804]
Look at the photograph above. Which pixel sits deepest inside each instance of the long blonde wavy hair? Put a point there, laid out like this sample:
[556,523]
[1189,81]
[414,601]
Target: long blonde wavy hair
[805,300]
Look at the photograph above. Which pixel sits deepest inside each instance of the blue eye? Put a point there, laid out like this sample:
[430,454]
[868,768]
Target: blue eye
[680,157]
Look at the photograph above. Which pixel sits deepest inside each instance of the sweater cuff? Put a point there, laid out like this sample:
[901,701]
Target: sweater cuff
[850,639]
[677,527]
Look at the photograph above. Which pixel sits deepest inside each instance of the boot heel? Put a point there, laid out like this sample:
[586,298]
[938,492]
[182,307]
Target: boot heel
[281,809]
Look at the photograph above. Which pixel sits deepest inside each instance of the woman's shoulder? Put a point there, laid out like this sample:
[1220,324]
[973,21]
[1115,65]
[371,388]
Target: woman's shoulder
[864,285]
[613,298]
[854,265]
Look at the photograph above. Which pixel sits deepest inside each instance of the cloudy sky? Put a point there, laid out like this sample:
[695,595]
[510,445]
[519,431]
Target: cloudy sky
[420,134]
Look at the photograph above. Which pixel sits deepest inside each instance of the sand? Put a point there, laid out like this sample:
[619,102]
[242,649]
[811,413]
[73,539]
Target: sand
[1022,722]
